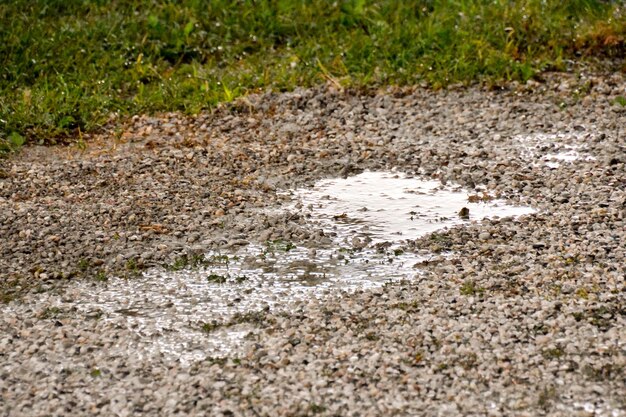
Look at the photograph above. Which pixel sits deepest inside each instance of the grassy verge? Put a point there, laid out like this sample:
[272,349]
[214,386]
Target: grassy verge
[69,64]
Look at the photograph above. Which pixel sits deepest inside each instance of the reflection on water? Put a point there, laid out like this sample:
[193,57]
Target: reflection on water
[553,149]
[367,216]
[386,206]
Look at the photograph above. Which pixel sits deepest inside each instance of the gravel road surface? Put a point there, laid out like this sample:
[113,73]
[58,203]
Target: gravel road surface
[516,316]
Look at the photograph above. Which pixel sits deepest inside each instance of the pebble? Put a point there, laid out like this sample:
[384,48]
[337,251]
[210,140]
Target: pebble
[517,316]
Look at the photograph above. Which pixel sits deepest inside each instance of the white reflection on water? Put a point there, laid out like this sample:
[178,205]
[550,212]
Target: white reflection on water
[552,150]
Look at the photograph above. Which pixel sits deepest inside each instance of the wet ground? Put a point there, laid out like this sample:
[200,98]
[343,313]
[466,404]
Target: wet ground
[319,252]
[366,218]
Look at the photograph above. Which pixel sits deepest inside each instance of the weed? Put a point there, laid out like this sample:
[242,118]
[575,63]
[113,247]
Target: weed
[13,288]
[83,265]
[101,276]
[604,317]
[540,329]
[95,373]
[398,283]
[6,298]
[469,287]
[582,293]
[179,264]
[198,260]
[220,260]
[570,259]
[132,266]
[601,317]
[553,353]
[279,245]
[217,361]
[190,262]
[317,408]
[371,336]
[621,100]
[439,238]
[51,313]
[216,279]
[556,289]
[546,396]
[239,279]
[212,326]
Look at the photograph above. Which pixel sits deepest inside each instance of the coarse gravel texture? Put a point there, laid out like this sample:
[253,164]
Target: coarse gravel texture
[512,316]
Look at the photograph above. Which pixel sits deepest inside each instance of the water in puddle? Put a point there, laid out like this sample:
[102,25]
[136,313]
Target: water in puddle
[387,206]
[368,217]
[552,150]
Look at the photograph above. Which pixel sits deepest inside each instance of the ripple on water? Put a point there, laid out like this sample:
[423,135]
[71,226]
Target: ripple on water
[368,216]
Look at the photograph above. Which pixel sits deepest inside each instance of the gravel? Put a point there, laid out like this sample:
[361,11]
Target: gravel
[512,316]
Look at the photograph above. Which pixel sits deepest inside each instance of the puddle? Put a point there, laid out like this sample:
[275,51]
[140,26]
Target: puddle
[368,216]
[553,149]
[569,154]
[387,206]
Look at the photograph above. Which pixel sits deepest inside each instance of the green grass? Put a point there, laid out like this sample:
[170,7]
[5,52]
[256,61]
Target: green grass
[69,64]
